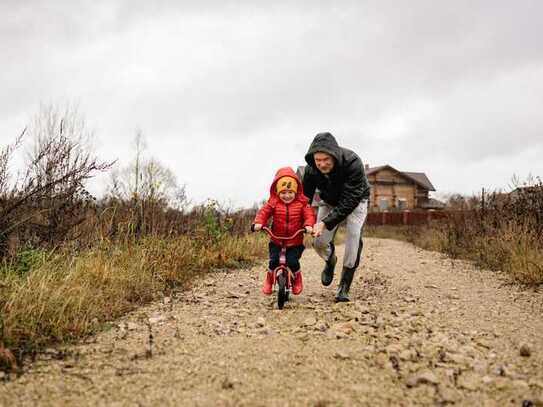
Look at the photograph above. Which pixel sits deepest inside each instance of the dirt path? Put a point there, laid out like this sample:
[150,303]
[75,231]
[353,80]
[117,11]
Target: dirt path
[420,331]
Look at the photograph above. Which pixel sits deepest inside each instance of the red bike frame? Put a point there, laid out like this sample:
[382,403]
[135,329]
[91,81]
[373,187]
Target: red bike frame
[283,255]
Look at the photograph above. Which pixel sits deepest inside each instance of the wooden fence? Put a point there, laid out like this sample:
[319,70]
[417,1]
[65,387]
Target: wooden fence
[404,217]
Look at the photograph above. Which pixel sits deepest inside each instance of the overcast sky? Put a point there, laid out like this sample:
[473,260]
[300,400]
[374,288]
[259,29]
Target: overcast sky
[227,92]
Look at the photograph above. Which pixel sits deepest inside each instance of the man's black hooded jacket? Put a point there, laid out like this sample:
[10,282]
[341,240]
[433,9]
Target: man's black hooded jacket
[344,188]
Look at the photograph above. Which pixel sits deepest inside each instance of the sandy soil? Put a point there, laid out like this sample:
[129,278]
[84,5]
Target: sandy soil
[421,330]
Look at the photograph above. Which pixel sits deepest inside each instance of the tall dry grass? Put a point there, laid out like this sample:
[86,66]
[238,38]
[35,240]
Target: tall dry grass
[63,297]
[499,232]
[69,262]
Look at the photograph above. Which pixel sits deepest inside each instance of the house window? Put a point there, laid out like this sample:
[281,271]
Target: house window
[383,204]
[402,204]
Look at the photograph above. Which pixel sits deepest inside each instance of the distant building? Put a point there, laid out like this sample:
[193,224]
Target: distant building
[399,190]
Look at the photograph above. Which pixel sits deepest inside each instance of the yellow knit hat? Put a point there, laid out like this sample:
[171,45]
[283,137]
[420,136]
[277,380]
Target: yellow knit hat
[286,183]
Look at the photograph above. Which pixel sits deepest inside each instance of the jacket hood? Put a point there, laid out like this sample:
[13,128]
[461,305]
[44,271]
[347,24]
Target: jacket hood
[323,143]
[286,172]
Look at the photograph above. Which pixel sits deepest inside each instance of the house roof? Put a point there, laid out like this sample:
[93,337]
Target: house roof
[419,178]
[373,170]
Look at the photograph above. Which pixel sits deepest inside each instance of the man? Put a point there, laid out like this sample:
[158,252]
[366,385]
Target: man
[339,176]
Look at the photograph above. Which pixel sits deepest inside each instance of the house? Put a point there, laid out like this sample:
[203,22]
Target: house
[399,190]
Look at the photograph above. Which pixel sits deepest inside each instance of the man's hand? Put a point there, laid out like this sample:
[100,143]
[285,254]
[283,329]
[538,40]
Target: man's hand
[318,229]
[308,229]
[257,227]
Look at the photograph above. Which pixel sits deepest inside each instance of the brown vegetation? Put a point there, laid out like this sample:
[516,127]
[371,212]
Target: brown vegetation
[69,262]
[497,231]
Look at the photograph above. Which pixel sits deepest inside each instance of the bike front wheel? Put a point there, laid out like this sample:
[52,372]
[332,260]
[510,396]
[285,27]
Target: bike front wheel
[281,291]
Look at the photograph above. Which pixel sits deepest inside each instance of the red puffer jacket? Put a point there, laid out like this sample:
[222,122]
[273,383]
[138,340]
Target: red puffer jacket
[287,218]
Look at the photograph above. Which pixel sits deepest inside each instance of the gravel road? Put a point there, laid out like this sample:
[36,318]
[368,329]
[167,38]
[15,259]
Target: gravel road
[421,330]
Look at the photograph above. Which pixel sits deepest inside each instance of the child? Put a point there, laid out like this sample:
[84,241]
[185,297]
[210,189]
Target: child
[291,212]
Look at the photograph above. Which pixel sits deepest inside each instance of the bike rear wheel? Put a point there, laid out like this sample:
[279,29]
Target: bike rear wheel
[281,291]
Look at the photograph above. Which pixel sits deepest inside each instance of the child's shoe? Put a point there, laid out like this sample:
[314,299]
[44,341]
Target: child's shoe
[297,285]
[268,283]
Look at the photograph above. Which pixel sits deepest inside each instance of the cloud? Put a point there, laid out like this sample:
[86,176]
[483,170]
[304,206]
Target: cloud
[415,85]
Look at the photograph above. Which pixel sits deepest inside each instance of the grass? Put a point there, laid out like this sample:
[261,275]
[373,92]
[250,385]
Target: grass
[57,297]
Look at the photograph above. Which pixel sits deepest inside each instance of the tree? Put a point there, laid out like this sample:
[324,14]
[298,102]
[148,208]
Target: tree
[147,180]
[50,199]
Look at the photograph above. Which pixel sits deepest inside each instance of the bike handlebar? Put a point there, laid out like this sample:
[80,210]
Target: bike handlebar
[269,232]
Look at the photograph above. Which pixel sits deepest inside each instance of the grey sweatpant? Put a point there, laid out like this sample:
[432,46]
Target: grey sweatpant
[353,243]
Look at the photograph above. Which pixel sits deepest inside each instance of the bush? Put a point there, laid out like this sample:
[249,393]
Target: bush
[499,232]
[25,261]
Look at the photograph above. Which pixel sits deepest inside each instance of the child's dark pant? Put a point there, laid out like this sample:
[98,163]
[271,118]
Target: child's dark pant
[293,256]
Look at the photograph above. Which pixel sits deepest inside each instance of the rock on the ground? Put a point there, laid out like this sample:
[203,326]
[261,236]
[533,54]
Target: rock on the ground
[425,377]
[525,350]
[260,322]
